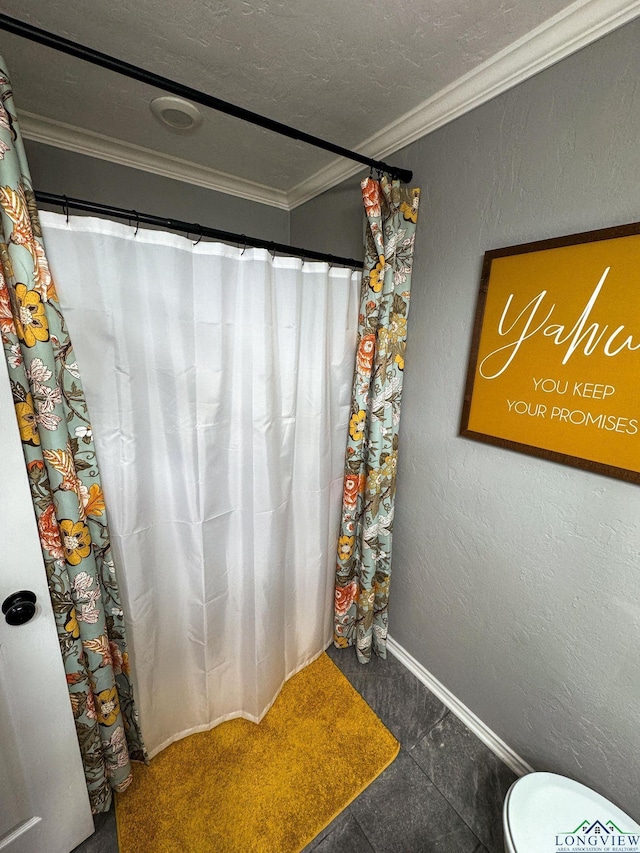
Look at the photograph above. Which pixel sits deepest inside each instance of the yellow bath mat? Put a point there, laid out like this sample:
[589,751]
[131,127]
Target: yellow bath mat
[267,788]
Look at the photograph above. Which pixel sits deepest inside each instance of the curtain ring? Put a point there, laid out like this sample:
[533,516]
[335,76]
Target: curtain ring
[65,208]
[200,237]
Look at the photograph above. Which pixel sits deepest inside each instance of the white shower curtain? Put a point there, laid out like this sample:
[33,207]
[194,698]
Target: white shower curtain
[218,382]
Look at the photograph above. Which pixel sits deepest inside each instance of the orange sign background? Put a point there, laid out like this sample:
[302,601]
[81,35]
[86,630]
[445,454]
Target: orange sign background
[555,362]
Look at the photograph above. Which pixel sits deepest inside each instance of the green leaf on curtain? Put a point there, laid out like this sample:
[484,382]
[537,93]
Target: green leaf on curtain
[399,305]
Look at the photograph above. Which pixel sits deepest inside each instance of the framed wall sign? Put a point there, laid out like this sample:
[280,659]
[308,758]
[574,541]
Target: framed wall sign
[555,358]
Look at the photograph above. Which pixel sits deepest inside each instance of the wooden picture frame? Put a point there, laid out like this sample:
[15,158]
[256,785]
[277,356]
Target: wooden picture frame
[554,368]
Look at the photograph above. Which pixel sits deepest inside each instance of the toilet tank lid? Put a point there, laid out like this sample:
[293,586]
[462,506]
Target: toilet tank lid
[544,811]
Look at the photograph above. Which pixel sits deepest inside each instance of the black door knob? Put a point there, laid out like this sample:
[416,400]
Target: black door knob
[19,607]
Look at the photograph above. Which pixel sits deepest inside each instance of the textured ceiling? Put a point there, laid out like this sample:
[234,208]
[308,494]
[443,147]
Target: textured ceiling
[340,70]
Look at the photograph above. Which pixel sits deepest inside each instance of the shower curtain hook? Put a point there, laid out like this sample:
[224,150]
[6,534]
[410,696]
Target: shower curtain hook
[65,208]
[244,244]
[200,237]
[272,250]
[137,215]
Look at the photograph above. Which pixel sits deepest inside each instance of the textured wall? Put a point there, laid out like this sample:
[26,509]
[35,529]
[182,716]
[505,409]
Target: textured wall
[76,175]
[332,222]
[516,580]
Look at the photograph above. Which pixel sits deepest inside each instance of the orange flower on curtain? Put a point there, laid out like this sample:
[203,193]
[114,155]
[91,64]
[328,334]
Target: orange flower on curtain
[364,547]
[55,432]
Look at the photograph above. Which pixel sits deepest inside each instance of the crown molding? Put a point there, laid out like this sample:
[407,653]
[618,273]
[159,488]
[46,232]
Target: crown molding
[577,26]
[71,138]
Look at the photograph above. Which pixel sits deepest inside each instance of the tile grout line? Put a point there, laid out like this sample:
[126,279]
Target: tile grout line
[409,750]
[475,725]
[445,798]
[359,825]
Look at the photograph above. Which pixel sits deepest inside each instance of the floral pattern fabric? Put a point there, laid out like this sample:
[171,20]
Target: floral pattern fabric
[364,545]
[55,432]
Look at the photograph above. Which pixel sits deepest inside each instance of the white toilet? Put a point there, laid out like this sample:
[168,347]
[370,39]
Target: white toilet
[546,813]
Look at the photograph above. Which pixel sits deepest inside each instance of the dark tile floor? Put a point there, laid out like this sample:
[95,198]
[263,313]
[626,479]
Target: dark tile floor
[442,794]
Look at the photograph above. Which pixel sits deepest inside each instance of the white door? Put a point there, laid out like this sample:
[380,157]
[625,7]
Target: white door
[44,805]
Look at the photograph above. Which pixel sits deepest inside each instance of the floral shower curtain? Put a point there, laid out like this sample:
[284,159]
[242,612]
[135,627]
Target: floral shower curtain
[364,547]
[65,485]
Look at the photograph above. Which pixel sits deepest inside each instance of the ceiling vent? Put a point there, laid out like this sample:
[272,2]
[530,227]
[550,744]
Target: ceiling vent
[176,113]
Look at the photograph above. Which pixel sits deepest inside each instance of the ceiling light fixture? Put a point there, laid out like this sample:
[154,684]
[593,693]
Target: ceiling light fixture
[176,113]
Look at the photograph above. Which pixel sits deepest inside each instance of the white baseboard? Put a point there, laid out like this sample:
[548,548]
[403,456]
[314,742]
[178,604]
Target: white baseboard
[473,723]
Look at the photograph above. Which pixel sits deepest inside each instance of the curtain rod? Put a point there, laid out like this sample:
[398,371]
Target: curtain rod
[64,45]
[192,228]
